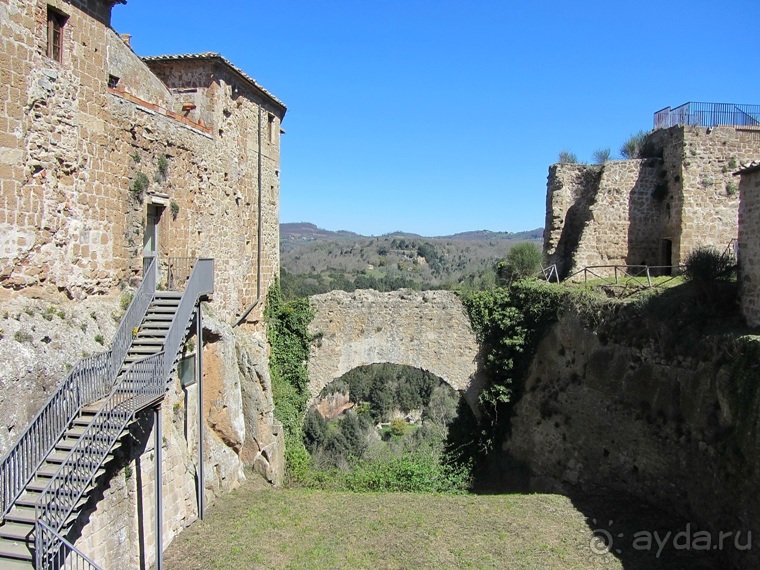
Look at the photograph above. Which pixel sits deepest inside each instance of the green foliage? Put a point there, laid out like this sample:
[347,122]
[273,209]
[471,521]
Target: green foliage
[731,189]
[174,207]
[509,322]
[22,336]
[398,427]
[136,157]
[125,300]
[99,339]
[163,168]
[567,157]
[602,155]
[639,146]
[706,264]
[139,185]
[287,329]
[523,260]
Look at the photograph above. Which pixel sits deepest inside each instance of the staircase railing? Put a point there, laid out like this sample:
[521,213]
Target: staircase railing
[69,557]
[142,384]
[89,380]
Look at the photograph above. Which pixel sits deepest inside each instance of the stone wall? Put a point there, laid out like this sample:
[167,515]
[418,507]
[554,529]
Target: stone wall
[72,148]
[429,330]
[679,429]
[653,210]
[602,214]
[749,245]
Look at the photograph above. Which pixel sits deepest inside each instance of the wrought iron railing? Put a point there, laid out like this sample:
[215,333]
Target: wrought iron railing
[68,557]
[708,115]
[141,385]
[89,380]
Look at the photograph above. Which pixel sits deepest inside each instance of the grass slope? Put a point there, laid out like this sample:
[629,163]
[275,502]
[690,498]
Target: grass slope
[266,528]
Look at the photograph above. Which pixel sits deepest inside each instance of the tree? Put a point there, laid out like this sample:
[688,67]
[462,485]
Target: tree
[523,260]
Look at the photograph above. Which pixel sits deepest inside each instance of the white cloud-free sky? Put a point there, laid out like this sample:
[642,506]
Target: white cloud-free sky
[442,116]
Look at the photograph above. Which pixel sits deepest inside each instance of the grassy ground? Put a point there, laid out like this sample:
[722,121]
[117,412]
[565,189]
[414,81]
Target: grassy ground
[266,528]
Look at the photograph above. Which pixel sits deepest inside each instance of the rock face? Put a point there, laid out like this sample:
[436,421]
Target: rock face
[241,437]
[428,330]
[679,431]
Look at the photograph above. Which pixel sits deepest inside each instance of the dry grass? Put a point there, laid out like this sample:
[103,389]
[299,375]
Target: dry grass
[266,528]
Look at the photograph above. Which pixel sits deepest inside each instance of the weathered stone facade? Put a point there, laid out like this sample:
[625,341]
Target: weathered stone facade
[106,157]
[749,243]
[651,211]
[203,135]
[429,330]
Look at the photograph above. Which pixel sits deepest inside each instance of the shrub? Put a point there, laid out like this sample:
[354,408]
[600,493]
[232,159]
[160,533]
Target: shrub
[398,427]
[633,147]
[139,185]
[602,155]
[22,336]
[566,157]
[706,264]
[731,189]
[523,260]
[99,339]
[174,207]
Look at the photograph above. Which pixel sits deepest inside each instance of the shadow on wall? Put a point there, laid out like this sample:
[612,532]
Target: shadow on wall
[645,223]
[578,215]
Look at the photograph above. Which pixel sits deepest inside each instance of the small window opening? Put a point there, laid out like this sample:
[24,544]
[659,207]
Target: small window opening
[55,24]
[271,128]
[113,81]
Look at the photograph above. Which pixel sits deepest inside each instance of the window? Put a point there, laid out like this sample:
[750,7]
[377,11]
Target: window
[55,23]
[113,81]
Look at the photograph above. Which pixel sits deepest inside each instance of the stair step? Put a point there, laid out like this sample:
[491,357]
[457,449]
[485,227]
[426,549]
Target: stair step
[142,350]
[167,295]
[161,309]
[15,550]
[39,483]
[159,317]
[16,531]
[147,341]
[21,514]
[57,456]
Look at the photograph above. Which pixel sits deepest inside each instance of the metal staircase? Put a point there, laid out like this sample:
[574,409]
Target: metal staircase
[48,475]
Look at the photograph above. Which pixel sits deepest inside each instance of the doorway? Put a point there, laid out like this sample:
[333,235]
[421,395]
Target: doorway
[667,256]
[150,239]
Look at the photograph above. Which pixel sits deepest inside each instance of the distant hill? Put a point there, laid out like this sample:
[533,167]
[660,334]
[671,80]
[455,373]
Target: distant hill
[315,260]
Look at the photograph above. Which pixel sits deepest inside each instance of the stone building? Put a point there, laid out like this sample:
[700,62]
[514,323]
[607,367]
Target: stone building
[651,211]
[107,158]
[749,242]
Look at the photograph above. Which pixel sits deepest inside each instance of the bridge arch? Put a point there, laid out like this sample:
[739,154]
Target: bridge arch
[429,330]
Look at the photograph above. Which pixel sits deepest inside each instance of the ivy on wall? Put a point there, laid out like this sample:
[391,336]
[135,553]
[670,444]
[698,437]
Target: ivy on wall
[289,338]
[509,322]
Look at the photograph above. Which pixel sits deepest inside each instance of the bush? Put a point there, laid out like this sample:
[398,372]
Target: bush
[566,157]
[139,185]
[523,260]
[398,427]
[633,147]
[706,264]
[602,155]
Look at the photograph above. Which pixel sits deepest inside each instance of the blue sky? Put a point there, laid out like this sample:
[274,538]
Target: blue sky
[441,116]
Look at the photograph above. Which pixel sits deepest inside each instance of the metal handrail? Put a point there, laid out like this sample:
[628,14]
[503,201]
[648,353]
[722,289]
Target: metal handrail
[69,556]
[708,115]
[140,386]
[89,381]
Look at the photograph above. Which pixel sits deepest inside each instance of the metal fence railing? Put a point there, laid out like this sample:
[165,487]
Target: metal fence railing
[141,385]
[89,380]
[708,115]
[68,556]
[629,276]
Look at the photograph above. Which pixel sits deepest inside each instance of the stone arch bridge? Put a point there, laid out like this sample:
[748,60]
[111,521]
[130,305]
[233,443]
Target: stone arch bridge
[428,330]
